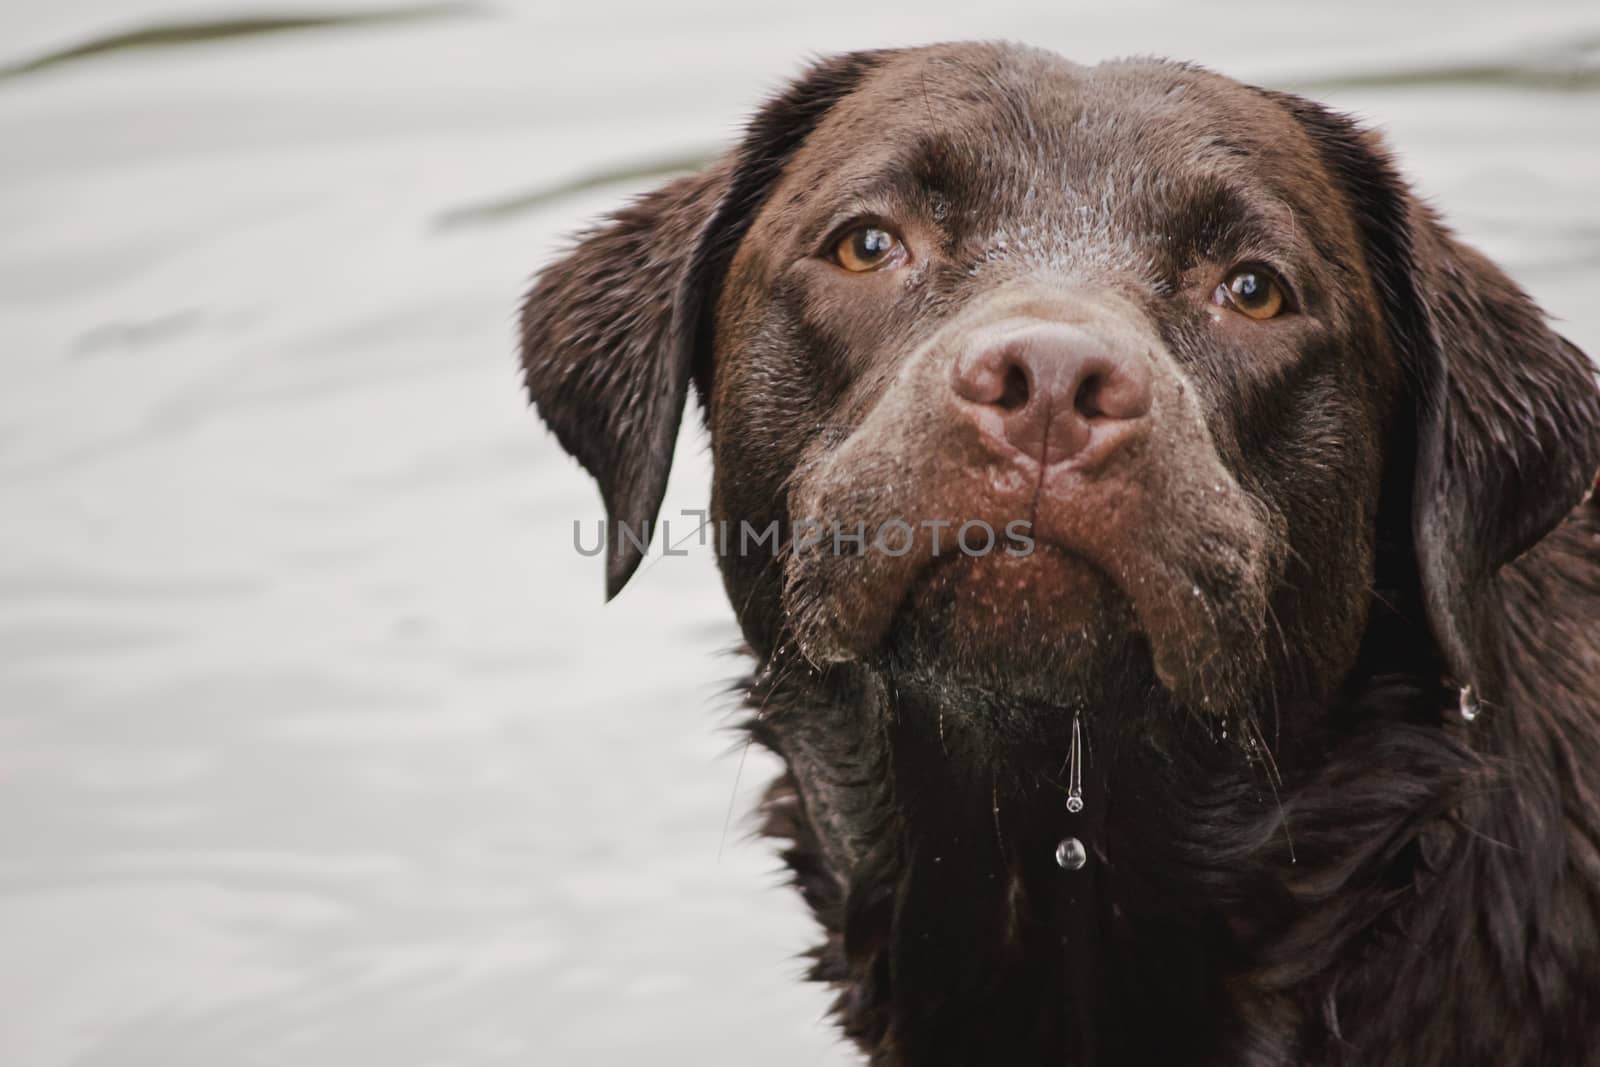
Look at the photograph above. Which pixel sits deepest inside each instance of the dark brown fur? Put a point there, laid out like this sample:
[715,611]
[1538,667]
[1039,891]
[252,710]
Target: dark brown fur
[1264,613]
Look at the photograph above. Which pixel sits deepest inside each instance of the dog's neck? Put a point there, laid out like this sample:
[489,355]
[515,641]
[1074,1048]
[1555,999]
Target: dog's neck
[1212,893]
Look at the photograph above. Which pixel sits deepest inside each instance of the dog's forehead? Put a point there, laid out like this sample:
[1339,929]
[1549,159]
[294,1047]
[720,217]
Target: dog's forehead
[1005,126]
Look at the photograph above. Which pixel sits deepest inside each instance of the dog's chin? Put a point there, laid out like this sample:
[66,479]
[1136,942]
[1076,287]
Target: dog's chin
[1049,629]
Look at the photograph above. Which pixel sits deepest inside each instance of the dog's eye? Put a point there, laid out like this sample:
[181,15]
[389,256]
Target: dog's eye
[867,248]
[1253,291]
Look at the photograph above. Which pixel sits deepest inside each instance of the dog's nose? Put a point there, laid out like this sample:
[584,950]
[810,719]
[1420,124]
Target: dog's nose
[1052,391]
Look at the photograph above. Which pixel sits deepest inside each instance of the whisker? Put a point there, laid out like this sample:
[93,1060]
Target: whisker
[1273,779]
[733,797]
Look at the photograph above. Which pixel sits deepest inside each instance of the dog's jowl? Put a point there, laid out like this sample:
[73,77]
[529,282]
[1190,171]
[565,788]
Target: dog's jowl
[1183,634]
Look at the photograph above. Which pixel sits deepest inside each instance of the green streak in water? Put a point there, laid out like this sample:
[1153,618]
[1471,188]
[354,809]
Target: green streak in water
[178,34]
[520,203]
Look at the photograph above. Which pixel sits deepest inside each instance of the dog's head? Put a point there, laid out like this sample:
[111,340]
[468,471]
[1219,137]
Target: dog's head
[1063,382]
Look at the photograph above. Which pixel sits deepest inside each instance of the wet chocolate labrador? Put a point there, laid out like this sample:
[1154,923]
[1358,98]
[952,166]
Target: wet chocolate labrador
[1165,549]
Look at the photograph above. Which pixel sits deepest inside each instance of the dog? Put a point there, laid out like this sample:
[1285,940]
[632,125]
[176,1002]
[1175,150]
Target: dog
[1266,731]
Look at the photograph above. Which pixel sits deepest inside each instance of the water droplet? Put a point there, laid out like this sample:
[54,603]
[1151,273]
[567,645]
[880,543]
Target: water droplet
[1070,854]
[1075,768]
[1470,706]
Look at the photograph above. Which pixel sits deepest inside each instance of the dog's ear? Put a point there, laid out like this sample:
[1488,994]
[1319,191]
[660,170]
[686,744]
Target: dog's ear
[613,332]
[1507,412]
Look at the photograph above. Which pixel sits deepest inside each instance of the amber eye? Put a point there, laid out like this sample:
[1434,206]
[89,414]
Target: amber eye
[1254,291]
[867,248]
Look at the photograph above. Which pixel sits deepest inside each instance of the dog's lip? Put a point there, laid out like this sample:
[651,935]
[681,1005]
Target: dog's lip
[1051,562]
[1050,506]
[1043,554]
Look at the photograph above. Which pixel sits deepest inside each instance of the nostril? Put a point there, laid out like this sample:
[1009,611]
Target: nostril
[1087,400]
[1014,389]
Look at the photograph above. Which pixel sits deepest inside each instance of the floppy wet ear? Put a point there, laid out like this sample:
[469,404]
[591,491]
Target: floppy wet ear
[613,332]
[1508,440]
[605,363]
[1507,412]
